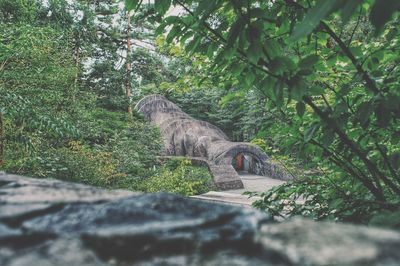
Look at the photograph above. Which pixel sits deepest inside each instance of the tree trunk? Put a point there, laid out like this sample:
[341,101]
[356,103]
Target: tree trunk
[77,65]
[2,139]
[128,66]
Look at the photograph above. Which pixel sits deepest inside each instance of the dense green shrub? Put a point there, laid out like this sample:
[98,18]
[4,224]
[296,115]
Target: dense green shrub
[185,179]
[136,148]
[80,163]
[315,196]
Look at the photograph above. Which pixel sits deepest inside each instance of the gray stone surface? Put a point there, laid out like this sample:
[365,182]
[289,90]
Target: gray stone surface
[254,183]
[16,189]
[89,226]
[186,136]
[225,177]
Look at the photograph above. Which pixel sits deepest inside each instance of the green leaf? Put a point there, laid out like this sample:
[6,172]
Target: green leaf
[234,31]
[364,111]
[316,90]
[357,51]
[309,133]
[385,218]
[211,49]
[276,66]
[171,19]
[280,64]
[273,48]
[237,69]
[228,53]
[321,10]
[382,11]
[308,61]
[160,28]
[290,65]
[305,72]
[253,33]
[383,115]
[377,73]
[172,34]
[185,36]
[345,89]
[162,6]
[131,4]
[278,93]
[254,52]
[267,85]
[331,62]
[298,88]
[193,44]
[349,8]
[249,79]
[341,107]
[335,203]
[227,98]
[300,108]
[203,6]
[395,160]
[391,34]
[392,102]
[328,137]
[257,12]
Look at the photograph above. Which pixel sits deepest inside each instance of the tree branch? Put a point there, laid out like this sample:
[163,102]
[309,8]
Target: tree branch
[352,145]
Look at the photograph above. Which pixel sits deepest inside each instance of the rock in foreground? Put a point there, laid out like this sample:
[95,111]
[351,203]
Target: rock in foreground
[47,222]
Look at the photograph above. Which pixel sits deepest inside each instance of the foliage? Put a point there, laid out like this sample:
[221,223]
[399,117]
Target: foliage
[135,150]
[61,87]
[29,67]
[387,219]
[327,72]
[314,81]
[79,163]
[312,196]
[185,179]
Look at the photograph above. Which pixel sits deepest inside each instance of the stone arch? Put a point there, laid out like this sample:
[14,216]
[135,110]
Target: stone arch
[226,156]
[258,159]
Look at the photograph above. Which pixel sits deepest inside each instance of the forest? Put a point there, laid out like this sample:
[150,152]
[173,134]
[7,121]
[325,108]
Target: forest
[313,83]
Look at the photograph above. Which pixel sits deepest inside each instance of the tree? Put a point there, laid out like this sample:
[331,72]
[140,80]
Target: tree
[322,59]
[2,138]
[43,46]
[128,65]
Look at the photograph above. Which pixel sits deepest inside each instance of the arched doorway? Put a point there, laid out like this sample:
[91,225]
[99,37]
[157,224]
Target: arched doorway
[243,163]
[238,162]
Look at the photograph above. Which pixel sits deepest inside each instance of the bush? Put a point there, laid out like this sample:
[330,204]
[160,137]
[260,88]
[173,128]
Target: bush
[80,163]
[135,150]
[185,179]
[315,196]
[321,193]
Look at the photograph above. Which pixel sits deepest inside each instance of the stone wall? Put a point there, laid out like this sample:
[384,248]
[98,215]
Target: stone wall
[48,222]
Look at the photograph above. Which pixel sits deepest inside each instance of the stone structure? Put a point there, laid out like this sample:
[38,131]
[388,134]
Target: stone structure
[48,222]
[186,136]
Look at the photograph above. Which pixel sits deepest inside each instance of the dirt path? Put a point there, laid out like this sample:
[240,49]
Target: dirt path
[251,183]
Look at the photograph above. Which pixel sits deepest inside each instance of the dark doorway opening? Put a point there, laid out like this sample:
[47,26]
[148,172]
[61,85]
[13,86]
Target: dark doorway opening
[238,162]
[243,163]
